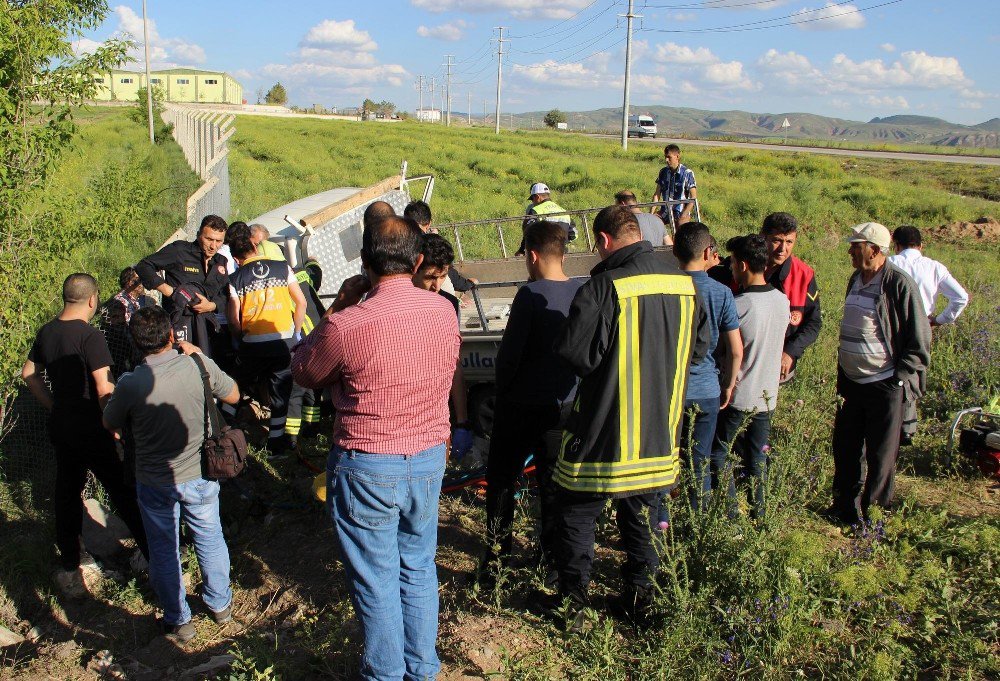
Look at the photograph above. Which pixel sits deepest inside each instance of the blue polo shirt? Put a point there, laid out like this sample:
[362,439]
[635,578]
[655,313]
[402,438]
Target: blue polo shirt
[720,306]
[675,185]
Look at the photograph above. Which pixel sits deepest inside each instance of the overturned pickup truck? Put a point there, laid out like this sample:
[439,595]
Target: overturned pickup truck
[327,227]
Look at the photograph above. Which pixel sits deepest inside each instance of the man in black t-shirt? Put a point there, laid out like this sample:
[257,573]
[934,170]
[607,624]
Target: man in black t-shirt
[534,394]
[75,357]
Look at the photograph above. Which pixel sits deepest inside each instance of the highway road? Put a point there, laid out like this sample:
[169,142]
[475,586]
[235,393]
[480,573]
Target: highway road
[894,155]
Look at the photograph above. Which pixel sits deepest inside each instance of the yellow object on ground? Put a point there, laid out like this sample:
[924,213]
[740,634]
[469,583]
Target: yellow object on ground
[319,487]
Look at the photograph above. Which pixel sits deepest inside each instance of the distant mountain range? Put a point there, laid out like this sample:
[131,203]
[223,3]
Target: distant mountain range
[708,124]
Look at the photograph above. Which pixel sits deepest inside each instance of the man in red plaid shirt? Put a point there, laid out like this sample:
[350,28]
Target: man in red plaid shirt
[389,361]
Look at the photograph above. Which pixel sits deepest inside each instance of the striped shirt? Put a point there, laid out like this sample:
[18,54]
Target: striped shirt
[389,361]
[864,355]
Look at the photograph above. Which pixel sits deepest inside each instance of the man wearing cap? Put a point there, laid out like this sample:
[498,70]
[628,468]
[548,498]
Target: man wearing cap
[882,361]
[542,205]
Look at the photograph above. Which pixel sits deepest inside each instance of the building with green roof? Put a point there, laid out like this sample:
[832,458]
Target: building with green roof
[177,85]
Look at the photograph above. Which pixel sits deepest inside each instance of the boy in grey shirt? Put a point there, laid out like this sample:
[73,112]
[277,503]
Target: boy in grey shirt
[744,426]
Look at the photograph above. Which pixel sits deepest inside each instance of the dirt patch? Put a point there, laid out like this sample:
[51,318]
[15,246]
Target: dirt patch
[986,229]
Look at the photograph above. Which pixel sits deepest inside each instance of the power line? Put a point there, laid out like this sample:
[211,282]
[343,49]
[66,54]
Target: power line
[759,25]
[571,47]
[567,19]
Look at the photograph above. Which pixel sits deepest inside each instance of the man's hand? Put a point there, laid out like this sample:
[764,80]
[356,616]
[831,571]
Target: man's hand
[461,442]
[203,305]
[188,348]
[350,293]
[725,397]
[933,320]
[786,364]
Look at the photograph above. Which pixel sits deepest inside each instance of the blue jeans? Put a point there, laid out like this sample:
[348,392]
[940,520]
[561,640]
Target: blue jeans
[385,510]
[162,507]
[745,434]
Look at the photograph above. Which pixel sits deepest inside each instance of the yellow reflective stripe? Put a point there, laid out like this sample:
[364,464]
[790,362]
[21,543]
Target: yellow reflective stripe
[680,366]
[661,478]
[623,375]
[293,425]
[592,468]
[307,326]
[650,284]
[302,277]
[629,379]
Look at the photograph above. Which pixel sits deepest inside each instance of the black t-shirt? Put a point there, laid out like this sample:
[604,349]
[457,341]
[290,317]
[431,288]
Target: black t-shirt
[70,350]
[454,302]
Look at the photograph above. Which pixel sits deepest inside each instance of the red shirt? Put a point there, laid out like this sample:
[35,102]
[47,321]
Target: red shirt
[390,361]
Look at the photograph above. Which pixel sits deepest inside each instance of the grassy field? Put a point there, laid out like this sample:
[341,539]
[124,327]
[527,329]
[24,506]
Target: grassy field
[866,146]
[913,596]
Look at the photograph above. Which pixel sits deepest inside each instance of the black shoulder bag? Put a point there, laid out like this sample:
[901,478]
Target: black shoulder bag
[224,452]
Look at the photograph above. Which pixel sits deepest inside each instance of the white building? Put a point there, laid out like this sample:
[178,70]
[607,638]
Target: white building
[429,115]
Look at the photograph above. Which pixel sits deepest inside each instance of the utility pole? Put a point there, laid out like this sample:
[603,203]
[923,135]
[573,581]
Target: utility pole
[470,108]
[485,117]
[511,120]
[500,42]
[628,71]
[449,64]
[433,107]
[149,82]
[420,89]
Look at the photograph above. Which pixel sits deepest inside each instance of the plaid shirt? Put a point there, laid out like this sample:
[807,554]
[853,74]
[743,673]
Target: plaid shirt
[390,361]
[675,185]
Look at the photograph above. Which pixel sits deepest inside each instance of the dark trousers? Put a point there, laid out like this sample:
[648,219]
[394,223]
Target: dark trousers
[575,532]
[82,445]
[520,430]
[865,435]
[910,417]
[303,409]
[697,435]
[270,362]
[223,352]
[744,434]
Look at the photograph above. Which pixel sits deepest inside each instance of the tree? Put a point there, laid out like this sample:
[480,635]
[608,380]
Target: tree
[140,113]
[42,79]
[385,108]
[276,95]
[368,107]
[554,118]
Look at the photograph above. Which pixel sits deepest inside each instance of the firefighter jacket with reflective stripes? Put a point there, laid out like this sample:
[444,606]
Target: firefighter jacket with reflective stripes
[314,306]
[633,330]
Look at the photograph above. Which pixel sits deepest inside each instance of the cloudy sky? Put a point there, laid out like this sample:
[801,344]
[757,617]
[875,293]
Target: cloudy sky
[855,59]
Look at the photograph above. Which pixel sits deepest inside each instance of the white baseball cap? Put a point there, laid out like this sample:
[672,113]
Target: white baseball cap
[538,188]
[872,232]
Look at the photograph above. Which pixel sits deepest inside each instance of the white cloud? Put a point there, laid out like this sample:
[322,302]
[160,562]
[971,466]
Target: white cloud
[571,76]
[886,102]
[888,47]
[672,53]
[334,59]
[711,71]
[728,74]
[791,70]
[830,17]
[163,52]
[332,34]
[970,105]
[519,9]
[451,31]
[932,72]
[682,17]
[85,46]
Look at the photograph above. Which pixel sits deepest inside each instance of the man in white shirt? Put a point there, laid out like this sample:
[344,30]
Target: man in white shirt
[932,279]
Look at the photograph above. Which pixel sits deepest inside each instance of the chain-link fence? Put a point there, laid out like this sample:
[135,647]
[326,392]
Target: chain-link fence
[27,463]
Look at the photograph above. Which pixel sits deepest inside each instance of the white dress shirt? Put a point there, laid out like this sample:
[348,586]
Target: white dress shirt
[932,279]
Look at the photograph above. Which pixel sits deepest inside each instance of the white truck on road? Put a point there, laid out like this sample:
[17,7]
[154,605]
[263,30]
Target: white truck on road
[641,125]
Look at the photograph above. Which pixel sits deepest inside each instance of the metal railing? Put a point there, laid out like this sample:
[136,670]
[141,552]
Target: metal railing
[456,228]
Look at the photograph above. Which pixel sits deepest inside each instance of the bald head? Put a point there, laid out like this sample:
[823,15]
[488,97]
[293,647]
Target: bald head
[78,289]
[391,246]
[378,210]
[258,233]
